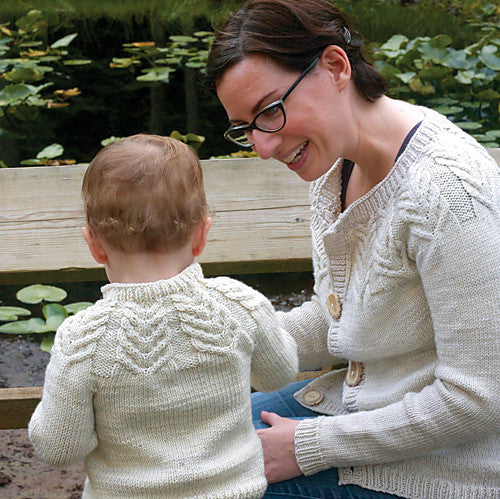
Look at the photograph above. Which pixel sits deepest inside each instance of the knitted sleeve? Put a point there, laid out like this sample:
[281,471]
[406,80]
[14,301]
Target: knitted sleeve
[454,238]
[62,427]
[274,360]
[309,329]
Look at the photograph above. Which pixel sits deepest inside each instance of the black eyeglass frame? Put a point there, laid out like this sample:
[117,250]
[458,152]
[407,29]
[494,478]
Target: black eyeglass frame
[277,103]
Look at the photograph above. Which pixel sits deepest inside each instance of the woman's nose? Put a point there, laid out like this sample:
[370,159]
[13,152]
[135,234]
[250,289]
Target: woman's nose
[265,144]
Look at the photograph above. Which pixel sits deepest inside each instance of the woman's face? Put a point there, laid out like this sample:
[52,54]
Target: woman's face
[313,136]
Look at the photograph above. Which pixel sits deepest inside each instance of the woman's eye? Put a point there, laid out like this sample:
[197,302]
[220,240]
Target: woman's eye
[271,112]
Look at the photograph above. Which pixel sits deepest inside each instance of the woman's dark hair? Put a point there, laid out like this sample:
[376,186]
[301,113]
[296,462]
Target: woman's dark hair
[291,33]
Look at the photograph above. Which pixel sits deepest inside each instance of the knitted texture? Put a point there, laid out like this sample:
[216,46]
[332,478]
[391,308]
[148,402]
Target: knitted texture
[151,386]
[416,264]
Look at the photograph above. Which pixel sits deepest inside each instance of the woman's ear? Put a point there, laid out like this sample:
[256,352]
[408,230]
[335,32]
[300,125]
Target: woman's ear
[95,245]
[335,60]
[200,236]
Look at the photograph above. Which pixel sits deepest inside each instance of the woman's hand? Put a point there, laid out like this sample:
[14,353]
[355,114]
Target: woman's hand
[278,446]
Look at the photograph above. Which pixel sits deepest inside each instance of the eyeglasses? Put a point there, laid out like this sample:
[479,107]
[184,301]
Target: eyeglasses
[270,119]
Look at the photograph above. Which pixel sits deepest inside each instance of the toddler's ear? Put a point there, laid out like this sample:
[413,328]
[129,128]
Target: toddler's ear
[95,246]
[200,237]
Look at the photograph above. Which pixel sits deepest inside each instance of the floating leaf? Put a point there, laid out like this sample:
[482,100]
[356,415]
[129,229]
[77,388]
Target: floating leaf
[73,308]
[53,322]
[54,309]
[457,59]
[487,95]
[50,152]
[47,343]
[39,292]
[35,325]
[156,74]
[11,313]
[406,77]
[65,41]
[490,60]
[448,109]
[394,43]
[76,62]
[18,327]
[469,125]
[182,39]
[67,93]
[191,137]
[417,86]
[195,65]
[31,162]
[142,44]
[493,134]
[110,140]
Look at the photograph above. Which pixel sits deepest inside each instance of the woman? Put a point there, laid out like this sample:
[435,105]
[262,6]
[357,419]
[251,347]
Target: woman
[405,233]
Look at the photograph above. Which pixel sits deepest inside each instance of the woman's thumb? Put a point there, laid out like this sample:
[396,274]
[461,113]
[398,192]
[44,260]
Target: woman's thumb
[269,418]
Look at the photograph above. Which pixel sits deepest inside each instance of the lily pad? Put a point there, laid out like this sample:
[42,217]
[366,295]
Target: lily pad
[53,309]
[53,322]
[50,152]
[35,325]
[47,343]
[73,308]
[36,293]
[12,313]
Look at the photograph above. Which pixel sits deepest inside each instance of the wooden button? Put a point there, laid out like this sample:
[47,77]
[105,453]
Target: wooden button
[333,305]
[313,397]
[354,373]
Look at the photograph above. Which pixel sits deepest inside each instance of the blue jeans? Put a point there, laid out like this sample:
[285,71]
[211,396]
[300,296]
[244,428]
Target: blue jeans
[322,485]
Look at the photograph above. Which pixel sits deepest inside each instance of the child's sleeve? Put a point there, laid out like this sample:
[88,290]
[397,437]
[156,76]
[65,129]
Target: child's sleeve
[62,426]
[274,360]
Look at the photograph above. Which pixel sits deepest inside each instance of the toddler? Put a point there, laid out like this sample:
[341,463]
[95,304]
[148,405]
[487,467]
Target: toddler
[151,385]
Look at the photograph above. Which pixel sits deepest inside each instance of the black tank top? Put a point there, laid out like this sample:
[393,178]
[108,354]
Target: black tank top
[348,165]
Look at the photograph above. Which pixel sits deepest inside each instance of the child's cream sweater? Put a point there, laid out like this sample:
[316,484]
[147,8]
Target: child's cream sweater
[407,283]
[151,386]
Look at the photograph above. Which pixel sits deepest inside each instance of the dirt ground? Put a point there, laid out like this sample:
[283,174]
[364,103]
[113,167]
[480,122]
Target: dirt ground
[22,363]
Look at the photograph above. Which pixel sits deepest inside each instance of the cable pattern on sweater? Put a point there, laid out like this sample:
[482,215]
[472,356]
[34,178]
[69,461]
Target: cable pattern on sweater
[77,337]
[209,324]
[236,291]
[144,338]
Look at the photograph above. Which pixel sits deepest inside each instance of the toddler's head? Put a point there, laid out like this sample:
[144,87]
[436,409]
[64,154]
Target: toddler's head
[144,194]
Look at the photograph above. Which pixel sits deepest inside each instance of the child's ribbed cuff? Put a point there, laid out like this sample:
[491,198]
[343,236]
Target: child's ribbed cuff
[308,448]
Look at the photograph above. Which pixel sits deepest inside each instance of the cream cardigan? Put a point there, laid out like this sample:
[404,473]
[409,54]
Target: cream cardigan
[407,284]
[151,386]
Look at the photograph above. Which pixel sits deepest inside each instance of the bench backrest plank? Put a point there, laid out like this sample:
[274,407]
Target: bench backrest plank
[261,221]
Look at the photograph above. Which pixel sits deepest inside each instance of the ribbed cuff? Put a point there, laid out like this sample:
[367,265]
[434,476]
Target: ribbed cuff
[308,449]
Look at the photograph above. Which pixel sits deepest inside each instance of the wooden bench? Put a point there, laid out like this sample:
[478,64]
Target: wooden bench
[261,225]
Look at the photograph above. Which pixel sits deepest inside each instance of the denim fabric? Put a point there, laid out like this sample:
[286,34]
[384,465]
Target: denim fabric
[322,485]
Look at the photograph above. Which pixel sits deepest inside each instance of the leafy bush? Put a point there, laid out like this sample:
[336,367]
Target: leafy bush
[460,83]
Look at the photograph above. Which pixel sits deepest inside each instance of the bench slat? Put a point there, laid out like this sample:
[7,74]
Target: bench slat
[261,219]
[17,406]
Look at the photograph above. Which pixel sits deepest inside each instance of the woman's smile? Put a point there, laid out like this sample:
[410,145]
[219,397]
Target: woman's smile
[303,142]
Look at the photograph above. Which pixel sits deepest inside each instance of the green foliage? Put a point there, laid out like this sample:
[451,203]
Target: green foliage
[37,293]
[161,62]
[460,83]
[53,314]
[191,139]
[28,67]
[47,157]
